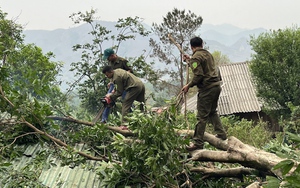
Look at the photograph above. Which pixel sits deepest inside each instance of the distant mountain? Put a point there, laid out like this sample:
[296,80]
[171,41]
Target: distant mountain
[224,38]
[230,40]
[226,29]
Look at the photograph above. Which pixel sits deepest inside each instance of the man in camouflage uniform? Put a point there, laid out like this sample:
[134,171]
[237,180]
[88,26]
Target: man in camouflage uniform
[207,79]
[125,81]
[115,62]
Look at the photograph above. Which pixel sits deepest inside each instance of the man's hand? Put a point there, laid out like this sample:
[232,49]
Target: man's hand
[185,88]
[108,95]
[108,85]
[186,57]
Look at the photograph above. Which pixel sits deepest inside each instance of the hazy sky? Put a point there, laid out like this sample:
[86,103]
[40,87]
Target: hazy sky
[53,14]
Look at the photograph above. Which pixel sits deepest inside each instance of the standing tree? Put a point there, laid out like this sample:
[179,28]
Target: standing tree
[182,25]
[25,70]
[10,36]
[276,67]
[90,82]
[28,78]
[220,59]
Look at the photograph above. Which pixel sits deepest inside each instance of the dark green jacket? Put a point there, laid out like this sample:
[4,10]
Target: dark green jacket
[121,63]
[124,81]
[206,74]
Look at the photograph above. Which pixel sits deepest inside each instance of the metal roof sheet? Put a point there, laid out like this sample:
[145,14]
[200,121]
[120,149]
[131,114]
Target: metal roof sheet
[238,92]
[60,175]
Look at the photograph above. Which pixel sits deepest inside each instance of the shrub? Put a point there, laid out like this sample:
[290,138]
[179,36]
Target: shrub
[251,133]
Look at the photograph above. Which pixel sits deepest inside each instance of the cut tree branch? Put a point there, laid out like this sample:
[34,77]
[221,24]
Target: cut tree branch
[61,143]
[238,172]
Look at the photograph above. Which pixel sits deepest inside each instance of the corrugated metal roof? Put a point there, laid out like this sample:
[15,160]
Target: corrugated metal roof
[60,176]
[238,92]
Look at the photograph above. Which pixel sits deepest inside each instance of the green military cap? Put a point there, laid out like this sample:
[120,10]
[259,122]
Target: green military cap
[108,52]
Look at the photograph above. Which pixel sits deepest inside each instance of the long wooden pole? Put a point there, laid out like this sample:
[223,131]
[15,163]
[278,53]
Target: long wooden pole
[182,52]
[187,71]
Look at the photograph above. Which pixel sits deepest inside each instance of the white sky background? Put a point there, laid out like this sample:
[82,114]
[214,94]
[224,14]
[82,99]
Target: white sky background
[248,14]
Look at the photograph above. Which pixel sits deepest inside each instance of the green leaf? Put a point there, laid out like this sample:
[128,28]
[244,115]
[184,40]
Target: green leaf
[45,137]
[5,164]
[298,169]
[166,168]
[56,126]
[272,182]
[293,137]
[285,166]
[165,146]
[293,180]
[119,136]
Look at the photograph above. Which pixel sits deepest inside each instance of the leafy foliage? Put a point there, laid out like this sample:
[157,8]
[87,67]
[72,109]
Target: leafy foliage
[220,59]
[292,124]
[10,37]
[275,67]
[289,149]
[290,177]
[28,81]
[91,83]
[23,178]
[182,25]
[26,176]
[153,157]
[260,135]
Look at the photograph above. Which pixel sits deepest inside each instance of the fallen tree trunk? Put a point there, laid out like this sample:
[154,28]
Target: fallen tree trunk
[235,151]
[232,151]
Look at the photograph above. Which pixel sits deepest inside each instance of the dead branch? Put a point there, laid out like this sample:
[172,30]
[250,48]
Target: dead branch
[238,172]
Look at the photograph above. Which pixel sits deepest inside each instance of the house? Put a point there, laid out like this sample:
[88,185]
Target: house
[238,96]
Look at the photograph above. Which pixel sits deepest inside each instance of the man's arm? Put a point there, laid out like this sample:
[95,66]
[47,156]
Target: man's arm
[198,72]
[119,88]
